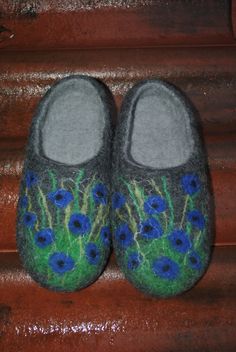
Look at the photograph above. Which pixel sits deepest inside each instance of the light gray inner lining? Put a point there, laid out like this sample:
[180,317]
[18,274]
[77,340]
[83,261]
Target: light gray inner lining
[72,132]
[161,136]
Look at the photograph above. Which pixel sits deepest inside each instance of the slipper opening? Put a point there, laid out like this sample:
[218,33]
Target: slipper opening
[72,130]
[161,135]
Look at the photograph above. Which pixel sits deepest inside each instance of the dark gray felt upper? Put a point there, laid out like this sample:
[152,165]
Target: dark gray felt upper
[161,135]
[161,156]
[72,132]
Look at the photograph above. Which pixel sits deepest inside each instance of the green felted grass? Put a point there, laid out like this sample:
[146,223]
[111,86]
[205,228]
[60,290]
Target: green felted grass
[131,212]
[50,216]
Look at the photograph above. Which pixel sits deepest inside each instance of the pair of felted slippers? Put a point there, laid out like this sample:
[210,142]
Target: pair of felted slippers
[150,198]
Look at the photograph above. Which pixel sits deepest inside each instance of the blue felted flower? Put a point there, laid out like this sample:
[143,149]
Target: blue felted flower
[191,183]
[31,179]
[61,198]
[105,234]
[118,200]
[194,260]
[150,229]
[61,263]
[92,253]
[79,224]
[179,241]
[155,205]
[23,202]
[124,236]
[134,260]
[100,193]
[29,219]
[44,238]
[165,268]
[196,218]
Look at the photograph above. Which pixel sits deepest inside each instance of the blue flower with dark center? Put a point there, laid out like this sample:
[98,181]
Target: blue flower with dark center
[61,263]
[92,253]
[124,236]
[191,183]
[100,193]
[23,202]
[79,224]
[31,179]
[179,241]
[196,218]
[155,205]
[194,260]
[150,229]
[134,260]
[29,219]
[61,198]
[105,234]
[118,200]
[44,238]
[165,268]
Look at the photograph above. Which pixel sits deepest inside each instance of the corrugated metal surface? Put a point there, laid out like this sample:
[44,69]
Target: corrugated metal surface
[189,43]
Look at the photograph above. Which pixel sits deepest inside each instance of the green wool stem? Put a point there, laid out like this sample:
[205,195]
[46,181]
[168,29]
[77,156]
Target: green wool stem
[40,203]
[184,211]
[86,196]
[53,180]
[44,202]
[170,204]
[76,193]
[138,209]
[91,207]
[191,203]
[131,219]
[99,220]
[157,189]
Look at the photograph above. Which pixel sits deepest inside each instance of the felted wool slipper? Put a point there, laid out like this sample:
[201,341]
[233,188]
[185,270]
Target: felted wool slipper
[161,200]
[63,230]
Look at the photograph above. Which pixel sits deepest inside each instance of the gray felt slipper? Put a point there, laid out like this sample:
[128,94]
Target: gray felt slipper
[63,230]
[161,200]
